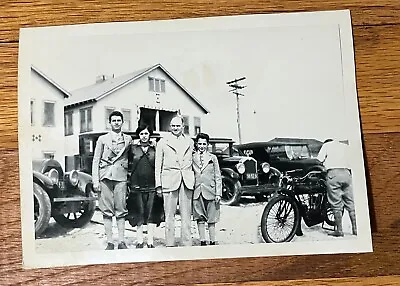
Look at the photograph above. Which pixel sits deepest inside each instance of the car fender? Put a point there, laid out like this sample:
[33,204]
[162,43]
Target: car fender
[42,180]
[230,173]
[85,181]
[275,171]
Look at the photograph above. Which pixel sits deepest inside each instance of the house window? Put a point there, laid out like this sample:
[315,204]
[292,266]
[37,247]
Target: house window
[127,119]
[185,124]
[68,125]
[156,84]
[49,118]
[107,114]
[48,154]
[86,119]
[197,125]
[32,108]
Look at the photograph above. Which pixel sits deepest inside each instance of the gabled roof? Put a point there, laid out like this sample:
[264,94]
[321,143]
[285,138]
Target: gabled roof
[52,82]
[97,91]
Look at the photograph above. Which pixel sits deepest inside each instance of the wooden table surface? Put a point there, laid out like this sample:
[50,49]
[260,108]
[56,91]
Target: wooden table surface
[376,28]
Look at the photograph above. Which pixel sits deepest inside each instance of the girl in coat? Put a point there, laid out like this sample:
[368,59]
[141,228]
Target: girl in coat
[207,190]
[144,207]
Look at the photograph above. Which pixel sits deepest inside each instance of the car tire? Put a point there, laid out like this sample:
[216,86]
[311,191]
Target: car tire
[41,209]
[276,210]
[230,191]
[78,219]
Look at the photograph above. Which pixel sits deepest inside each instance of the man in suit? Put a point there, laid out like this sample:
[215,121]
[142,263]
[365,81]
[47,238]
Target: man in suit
[175,180]
[207,189]
[109,172]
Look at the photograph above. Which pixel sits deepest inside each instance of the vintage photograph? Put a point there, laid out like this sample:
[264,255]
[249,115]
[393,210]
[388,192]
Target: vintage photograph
[186,139]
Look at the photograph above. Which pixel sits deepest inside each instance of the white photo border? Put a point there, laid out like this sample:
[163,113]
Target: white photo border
[362,243]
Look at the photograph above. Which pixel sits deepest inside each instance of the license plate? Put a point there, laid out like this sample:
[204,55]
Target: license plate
[251,176]
[61,185]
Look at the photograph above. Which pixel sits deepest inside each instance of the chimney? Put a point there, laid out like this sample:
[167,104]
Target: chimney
[102,77]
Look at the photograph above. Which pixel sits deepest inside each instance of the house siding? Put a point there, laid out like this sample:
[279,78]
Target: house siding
[133,96]
[47,138]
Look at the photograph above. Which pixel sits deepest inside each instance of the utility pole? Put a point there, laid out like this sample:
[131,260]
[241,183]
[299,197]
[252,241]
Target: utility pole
[235,90]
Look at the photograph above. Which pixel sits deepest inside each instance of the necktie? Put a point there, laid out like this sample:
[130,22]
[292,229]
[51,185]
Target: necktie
[201,160]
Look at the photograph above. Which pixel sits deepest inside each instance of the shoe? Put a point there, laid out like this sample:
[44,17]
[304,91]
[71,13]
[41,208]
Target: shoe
[140,245]
[212,243]
[337,233]
[150,246]
[203,243]
[122,245]
[110,246]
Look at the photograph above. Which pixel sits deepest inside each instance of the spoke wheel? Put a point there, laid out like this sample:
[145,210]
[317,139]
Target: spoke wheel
[230,192]
[280,219]
[329,215]
[41,209]
[79,218]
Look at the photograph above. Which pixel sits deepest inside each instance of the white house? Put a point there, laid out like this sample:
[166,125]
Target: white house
[47,109]
[150,95]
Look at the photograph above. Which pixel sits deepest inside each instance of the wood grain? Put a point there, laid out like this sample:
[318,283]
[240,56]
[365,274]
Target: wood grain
[377,50]
[47,12]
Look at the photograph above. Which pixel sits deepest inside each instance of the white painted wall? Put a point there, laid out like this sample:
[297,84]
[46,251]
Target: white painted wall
[132,97]
[52,138]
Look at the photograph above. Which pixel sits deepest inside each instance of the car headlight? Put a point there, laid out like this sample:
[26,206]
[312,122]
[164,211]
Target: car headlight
[73,177]
[265,167]
[241,168]
[53,175]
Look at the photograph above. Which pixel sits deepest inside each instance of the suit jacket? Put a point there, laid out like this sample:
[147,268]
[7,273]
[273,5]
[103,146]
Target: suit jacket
[171,167]
[106,163]
[208,181]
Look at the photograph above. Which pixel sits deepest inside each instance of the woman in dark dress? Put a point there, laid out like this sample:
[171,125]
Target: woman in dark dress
[143,204]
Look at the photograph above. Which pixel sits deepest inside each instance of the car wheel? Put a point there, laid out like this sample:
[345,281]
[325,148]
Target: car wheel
[280,219]
[41,209]
[79,218]
[230,192]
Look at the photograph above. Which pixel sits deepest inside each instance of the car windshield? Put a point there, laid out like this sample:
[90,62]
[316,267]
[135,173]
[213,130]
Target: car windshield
[220,148]
[291,152]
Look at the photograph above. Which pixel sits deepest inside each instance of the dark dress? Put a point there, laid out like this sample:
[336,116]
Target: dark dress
[143,204]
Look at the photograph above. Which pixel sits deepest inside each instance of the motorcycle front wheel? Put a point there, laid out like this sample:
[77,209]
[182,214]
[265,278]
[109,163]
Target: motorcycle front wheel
[280,219]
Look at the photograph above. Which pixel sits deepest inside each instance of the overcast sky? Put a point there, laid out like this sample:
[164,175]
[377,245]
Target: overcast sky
[293,74]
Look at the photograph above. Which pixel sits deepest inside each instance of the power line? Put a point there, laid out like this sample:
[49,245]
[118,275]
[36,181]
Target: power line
[235,87]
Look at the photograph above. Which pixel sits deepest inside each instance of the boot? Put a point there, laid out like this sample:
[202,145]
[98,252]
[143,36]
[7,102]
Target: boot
[299,231]
[338,224]
[353,222]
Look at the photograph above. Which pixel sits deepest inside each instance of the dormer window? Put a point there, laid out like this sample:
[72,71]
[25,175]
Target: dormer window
[156,84]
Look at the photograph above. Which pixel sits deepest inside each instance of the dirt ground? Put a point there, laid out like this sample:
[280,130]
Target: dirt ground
[238,225]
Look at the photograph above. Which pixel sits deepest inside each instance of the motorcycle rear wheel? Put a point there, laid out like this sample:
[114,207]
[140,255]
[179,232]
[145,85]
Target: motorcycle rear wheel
[280,219]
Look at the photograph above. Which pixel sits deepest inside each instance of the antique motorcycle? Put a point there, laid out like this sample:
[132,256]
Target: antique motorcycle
[297,197]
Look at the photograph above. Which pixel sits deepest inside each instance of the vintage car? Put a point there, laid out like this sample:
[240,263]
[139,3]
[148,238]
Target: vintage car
[285,154]
[67,197]
[241,174]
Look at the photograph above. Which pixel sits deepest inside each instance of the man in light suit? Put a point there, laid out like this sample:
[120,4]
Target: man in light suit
[109,172]
[175,179]
[207,189]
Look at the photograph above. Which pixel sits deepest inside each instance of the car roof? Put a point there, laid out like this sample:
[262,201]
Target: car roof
[130,133]
[280,142]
